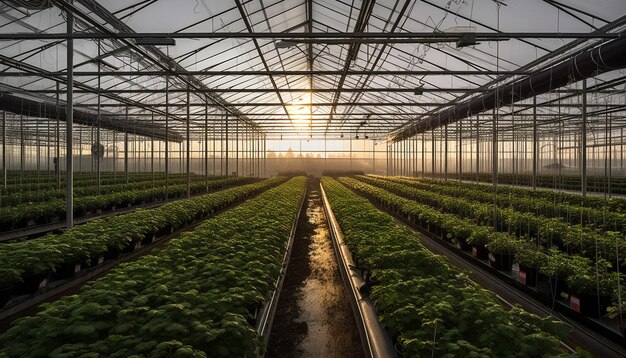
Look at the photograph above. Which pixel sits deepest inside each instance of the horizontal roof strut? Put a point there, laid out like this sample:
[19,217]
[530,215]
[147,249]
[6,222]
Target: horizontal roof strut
[325,104]
[362,36]
[277,73]
[268,90]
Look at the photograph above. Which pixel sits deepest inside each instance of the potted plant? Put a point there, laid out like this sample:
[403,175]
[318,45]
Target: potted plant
[501,251]
[590,287]
[530,259]
[460,234]
[481,235]
[551,279]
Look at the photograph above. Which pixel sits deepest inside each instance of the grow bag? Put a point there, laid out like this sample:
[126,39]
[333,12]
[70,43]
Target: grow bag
[589,305]
[527,275]
[502,262]
[480,252]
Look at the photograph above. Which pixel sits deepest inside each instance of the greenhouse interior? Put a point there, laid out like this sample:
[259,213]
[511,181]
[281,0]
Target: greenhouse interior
[313,178]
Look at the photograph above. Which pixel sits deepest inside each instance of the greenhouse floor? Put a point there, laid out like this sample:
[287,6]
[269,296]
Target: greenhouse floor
[314,316]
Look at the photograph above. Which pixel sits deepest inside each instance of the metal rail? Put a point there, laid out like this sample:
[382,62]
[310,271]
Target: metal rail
[362,37]
[376,341]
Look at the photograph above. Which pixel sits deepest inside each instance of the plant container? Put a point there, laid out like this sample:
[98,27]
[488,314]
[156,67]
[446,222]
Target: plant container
[148,239]
[94,261]
[550,288]
[461,244]
[31,283]
[66,271]
[590,305]
[132,247]
[502,262]
[112,253]
[480,252]
[527,275]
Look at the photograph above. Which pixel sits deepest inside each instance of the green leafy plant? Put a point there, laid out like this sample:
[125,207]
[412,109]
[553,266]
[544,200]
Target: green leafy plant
[428,306]
[191,298]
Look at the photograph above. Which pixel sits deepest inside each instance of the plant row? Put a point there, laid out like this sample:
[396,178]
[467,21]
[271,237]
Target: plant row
[430,308]
[14,176]
[24,215]
[551,232]
[84,181]
[25,265]
[196,297]
[566,182]
[603,217]
[51,194]
[590,201]
[574,275]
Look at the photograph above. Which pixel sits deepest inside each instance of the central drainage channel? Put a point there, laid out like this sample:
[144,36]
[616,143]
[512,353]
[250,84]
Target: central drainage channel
[314,317]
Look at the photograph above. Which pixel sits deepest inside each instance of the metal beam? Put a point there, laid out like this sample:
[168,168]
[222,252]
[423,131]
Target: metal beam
[357,37]
[69,165]
[290,90]
[210,73]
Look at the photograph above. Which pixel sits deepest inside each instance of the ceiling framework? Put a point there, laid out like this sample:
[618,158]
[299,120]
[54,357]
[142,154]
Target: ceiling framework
[391,69]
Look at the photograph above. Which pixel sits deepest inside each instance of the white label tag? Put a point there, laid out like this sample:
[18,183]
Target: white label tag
[574,303]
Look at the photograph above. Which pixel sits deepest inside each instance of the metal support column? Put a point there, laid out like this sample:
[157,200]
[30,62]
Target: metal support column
[445,158]
[350,153]
[69,165]
[423,154]
[126,151]
[226,142]
[206,147]
[387,159]
[433,156]
[58,142]
[214,156]
[373,156]
[22,150]
[609,152]
[4,150]
[477,149]
[494,148]
[188,147]
[152,152]
[583,144]
[460,150]
[98,99]
[535,145]
[167,142]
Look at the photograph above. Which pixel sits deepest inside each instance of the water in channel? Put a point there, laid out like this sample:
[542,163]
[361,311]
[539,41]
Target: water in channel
[314,317]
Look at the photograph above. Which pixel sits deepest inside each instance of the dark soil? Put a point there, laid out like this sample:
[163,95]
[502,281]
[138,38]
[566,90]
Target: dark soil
[314,317]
